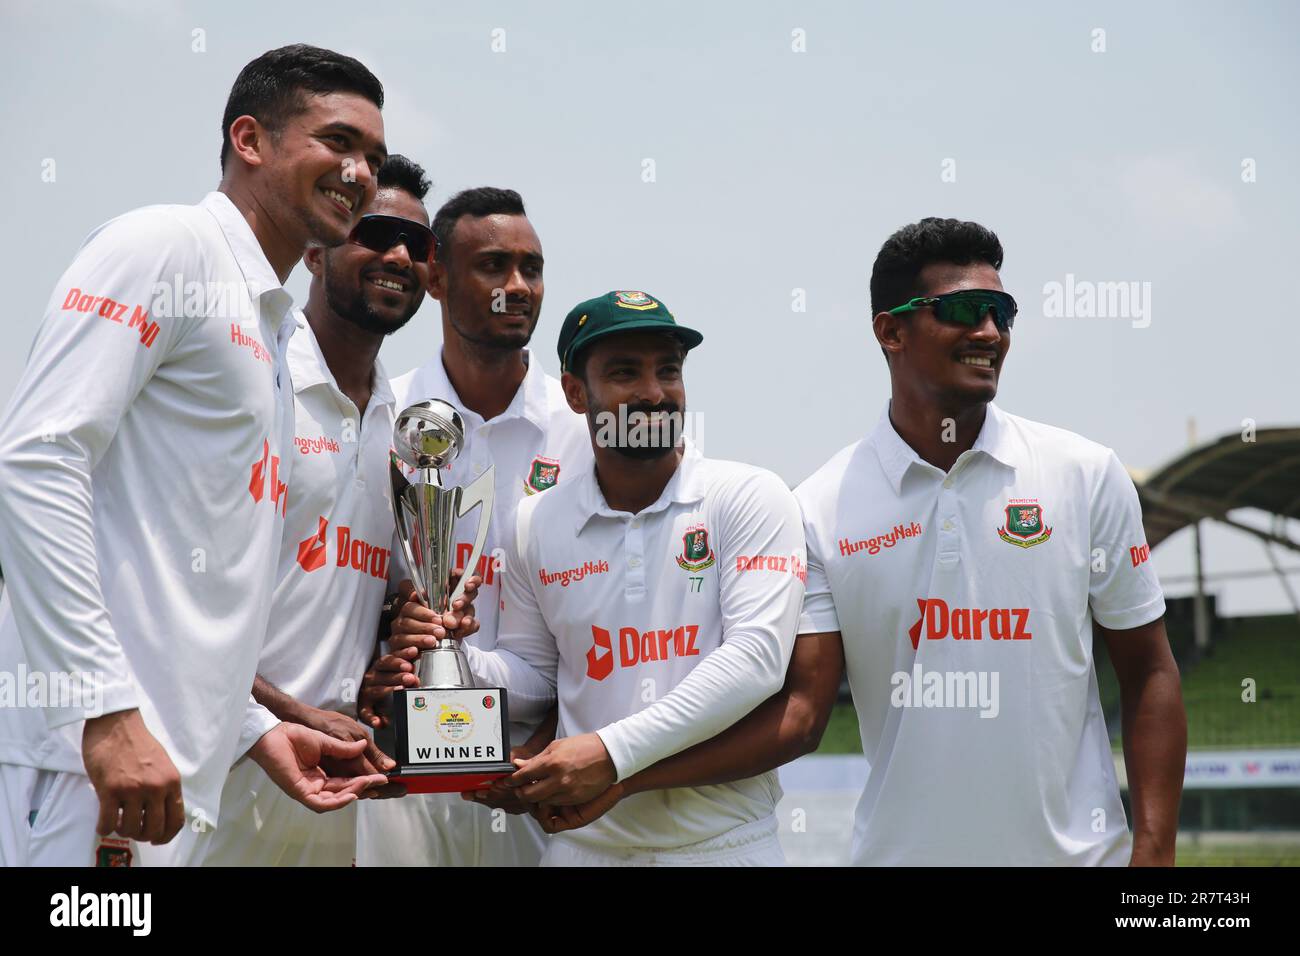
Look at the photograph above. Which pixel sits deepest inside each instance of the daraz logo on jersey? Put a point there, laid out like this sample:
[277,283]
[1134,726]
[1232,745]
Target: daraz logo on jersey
[487,564]
[113,311]
[351,552]
[967,623]
[637,647]
[257,484]
[773,562]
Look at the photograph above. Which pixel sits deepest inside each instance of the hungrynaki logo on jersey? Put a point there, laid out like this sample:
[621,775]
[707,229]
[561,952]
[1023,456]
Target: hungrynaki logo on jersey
[1024,527]
[696,553]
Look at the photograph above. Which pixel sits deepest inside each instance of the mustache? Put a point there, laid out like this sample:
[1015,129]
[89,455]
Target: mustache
[406,275]
[645,408]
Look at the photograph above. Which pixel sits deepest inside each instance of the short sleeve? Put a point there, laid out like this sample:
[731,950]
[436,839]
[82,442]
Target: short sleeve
[818,613]
[1123,591]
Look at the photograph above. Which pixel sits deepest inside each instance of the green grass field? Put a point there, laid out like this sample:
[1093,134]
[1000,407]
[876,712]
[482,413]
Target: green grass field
[1266,651]
[841,735]
[1195,852]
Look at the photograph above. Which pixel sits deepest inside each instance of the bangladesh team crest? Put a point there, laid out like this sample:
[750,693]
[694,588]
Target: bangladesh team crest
[696,553]
[542,474]
[113,852]
[1024,527]
[635,300]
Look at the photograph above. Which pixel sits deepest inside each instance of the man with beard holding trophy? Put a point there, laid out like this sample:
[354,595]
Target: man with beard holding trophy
[657,596]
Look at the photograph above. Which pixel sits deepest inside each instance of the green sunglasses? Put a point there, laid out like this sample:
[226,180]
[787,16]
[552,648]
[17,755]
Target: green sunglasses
[967,307]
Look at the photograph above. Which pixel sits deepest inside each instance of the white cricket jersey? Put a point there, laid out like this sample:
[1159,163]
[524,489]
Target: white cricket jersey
[334,562]
[966,601]
[656,631]
[537,443]
[144,477]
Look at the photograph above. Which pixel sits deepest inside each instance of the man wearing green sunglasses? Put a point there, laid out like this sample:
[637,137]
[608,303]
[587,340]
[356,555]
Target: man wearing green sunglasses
[960,555]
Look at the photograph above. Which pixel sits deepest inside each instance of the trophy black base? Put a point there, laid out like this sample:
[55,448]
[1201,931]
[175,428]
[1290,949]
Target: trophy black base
[451,740]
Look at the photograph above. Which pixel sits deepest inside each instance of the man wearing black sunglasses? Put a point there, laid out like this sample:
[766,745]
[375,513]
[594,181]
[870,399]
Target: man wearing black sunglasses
[336,557]
[961,555]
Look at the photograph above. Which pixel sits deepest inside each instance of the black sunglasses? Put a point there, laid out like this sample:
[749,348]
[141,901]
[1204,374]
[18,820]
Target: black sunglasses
[967,307]
[380,233]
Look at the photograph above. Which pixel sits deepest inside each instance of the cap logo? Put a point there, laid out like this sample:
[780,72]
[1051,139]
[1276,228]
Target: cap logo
[635,300]
[582,321]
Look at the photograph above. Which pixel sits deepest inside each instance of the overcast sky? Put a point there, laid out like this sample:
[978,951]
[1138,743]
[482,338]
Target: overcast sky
[1105,142]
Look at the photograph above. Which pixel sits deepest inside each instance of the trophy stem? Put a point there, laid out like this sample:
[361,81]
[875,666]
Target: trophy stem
[444,666]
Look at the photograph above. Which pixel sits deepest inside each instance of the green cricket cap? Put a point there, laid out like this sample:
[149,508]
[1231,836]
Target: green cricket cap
[616,312]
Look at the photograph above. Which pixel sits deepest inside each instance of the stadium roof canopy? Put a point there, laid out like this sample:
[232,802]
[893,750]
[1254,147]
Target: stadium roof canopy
[1223,475]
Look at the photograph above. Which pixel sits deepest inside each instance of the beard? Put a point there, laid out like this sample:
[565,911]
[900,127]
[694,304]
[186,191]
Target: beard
[630,430]
[349,302]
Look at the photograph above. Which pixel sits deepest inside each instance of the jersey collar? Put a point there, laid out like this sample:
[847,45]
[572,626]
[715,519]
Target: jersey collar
[258,274]
[308,367]
[529,401]
[687,486]
[996,440]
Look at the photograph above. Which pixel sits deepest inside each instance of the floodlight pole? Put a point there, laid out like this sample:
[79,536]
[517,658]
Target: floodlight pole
[1200,619]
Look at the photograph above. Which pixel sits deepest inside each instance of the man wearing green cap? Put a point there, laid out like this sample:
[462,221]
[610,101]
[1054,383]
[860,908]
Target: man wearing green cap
[656,597]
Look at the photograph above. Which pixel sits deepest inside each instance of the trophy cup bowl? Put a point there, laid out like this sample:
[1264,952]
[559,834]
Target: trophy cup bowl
[450,735]
[429,434]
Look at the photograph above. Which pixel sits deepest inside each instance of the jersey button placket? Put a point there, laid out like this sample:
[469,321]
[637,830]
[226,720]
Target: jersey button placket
[634,552]
[949,551]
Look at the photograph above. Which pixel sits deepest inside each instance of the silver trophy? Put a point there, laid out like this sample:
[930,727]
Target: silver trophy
[428,436]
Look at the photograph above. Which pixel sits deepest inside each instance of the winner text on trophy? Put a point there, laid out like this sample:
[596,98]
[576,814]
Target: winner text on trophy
[451,735]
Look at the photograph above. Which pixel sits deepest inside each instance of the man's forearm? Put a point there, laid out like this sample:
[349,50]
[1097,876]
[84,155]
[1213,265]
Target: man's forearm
[279,703]
[787,725]
[1155,755]
[783,727]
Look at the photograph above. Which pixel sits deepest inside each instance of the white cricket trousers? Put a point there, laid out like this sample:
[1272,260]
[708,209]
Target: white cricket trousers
[750,844]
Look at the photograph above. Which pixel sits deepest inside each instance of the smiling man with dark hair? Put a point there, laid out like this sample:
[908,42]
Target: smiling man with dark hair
[147,454]
[961,555]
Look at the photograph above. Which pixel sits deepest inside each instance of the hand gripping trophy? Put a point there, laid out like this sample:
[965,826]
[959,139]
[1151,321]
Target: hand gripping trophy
[451,735]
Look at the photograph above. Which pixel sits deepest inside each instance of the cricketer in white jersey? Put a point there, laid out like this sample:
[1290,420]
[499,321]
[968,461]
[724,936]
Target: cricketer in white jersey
[173,435]
[965,601]
[657,596]
[963,555]
[333,575]
[488,280]
[536,444]
[144,476]
[337,555]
